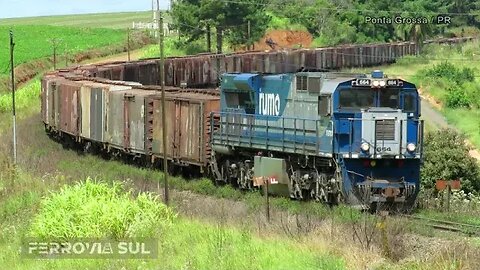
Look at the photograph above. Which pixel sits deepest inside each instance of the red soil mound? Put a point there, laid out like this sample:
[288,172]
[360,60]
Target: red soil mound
[283,39]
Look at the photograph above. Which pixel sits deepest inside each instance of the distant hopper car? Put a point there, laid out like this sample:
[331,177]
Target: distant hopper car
[203,70]
[324,136]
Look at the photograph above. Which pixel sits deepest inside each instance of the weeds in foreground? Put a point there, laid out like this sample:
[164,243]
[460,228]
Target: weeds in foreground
[94,209]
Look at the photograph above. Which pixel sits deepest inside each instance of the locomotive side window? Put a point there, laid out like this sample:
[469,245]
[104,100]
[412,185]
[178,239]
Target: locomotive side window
[409,103]
[357,98]
[390,98]
[232,100]
[324,105]
[302,83]
[239,100]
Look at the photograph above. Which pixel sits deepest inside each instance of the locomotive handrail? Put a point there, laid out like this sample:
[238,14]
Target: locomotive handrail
[288,134]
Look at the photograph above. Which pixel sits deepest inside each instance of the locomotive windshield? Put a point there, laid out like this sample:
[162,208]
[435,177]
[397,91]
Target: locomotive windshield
[357,99]
[390,98]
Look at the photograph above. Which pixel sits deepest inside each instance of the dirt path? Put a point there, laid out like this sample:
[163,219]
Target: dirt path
[432,115]
[134,55]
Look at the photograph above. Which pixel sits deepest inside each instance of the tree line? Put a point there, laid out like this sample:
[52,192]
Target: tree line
[333,22]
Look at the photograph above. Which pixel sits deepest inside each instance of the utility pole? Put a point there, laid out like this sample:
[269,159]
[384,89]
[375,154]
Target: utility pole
[128,43]
[209,37]
[12,67]
[66,56]
[267,200]
[162,85]
[55,42]
[248,35]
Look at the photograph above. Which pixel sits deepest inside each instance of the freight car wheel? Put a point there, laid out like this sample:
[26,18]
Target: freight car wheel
[408,206]
[333,199]
[225,173]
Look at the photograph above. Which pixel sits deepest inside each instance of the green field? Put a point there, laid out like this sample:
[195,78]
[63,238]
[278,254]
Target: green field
[104,20]
[32,41]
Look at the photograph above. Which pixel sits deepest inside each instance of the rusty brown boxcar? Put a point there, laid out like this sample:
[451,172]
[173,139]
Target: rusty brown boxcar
[187,126]
[49,98]
[204,69]
[148,73]
[116,72]
[131,72]
[69,107]
[94,109]
[126,125]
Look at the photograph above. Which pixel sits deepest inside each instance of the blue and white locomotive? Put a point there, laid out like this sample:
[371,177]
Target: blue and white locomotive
[319,135]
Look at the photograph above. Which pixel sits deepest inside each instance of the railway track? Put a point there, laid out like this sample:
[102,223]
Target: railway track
[444,225]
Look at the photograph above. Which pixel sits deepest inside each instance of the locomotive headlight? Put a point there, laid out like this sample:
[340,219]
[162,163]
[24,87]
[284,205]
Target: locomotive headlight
[382,83]
[411,147]
[365,147]
[376,83]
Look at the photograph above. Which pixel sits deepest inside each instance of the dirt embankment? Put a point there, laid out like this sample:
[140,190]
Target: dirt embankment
[283,39]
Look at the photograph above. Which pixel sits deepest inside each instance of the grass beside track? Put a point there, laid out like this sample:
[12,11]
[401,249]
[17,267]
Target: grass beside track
[189,243]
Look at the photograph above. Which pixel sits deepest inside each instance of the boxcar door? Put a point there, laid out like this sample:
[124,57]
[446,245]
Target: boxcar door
[96,114]
[85,111]
[190,131]
[50,108]
[128,99]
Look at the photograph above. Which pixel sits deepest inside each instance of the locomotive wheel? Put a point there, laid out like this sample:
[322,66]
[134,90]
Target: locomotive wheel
[295,189]
[245,177]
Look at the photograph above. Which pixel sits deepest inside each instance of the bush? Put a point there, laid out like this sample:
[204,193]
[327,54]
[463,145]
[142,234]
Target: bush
[91,209]
[446,157]
[473,93]
[457,97]
[23,97]
[204,186]
[457,81]
[447,70]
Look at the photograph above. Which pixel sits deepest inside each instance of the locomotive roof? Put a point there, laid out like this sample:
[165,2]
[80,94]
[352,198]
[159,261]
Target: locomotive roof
[330,85]
[331,80]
